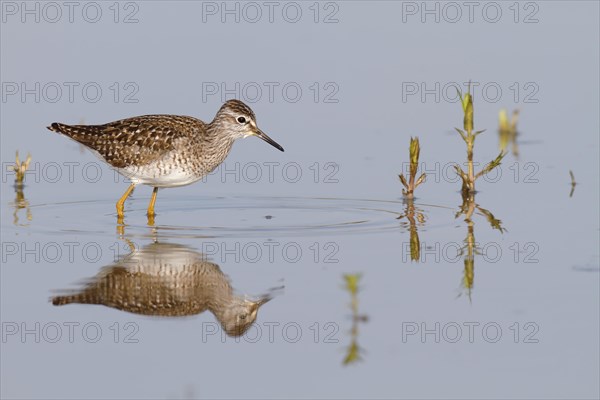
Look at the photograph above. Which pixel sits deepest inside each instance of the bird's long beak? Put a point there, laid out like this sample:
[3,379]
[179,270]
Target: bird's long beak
[264,300]
[256,304]
[267,139]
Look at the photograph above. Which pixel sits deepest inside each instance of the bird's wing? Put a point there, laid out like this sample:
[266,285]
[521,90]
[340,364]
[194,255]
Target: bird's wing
[132,141]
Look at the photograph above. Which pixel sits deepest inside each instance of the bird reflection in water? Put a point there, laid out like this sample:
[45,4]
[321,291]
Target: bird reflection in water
[169,280]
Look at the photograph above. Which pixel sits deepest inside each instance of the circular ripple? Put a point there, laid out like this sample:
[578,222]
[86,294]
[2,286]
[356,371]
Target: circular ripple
[234,217]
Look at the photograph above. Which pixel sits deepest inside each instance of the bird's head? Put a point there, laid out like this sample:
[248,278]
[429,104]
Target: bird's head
[240,315]
[239,121]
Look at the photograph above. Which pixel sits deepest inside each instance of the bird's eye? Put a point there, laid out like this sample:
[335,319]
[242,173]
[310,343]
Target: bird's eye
[241,120]
[243,316]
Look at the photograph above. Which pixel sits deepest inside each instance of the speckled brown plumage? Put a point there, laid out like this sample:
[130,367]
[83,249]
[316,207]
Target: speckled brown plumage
[168,280]
[136,141]
[167,150]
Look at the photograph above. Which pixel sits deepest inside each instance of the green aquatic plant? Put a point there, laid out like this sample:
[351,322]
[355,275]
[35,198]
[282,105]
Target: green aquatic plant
[413,182]
[469,177]
[507,130]
[20,169]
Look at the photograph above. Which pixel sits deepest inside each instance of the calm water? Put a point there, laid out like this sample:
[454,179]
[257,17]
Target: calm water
[502,305]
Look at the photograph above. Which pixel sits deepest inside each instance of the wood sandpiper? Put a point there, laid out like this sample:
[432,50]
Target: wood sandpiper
[165,151]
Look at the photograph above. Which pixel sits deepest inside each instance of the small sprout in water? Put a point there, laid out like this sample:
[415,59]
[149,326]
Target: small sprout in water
[412,183]
[20,169]
[469,177]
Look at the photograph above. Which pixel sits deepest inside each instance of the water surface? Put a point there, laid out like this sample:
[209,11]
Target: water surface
[503,304]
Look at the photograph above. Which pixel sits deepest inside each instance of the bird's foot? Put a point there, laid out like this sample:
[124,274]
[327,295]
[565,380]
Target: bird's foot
[151,219]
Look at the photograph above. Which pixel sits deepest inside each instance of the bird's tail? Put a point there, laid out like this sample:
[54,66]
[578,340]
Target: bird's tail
[62,300]
[84,134]
[76,298]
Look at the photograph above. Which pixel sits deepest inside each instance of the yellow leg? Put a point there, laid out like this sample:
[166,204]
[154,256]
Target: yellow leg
[152,202]
[151,207]
[121,202]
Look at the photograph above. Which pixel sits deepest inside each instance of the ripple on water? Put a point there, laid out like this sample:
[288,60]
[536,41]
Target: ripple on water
[236,217]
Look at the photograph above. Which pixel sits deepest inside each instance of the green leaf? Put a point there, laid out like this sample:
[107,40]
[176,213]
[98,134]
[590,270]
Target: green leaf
[420,180]
[495,223]
[468,109]
[493,164]
[352,282]
[415,150]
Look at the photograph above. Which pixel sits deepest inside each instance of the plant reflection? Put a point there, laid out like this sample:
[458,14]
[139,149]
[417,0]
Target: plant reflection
[413,218]
[468,208]
[353,353]
[21,203]
[573,183]
[169,280]
[507,131]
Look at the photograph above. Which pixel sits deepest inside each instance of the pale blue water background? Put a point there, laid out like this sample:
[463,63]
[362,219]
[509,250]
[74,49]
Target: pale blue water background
[367,56]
